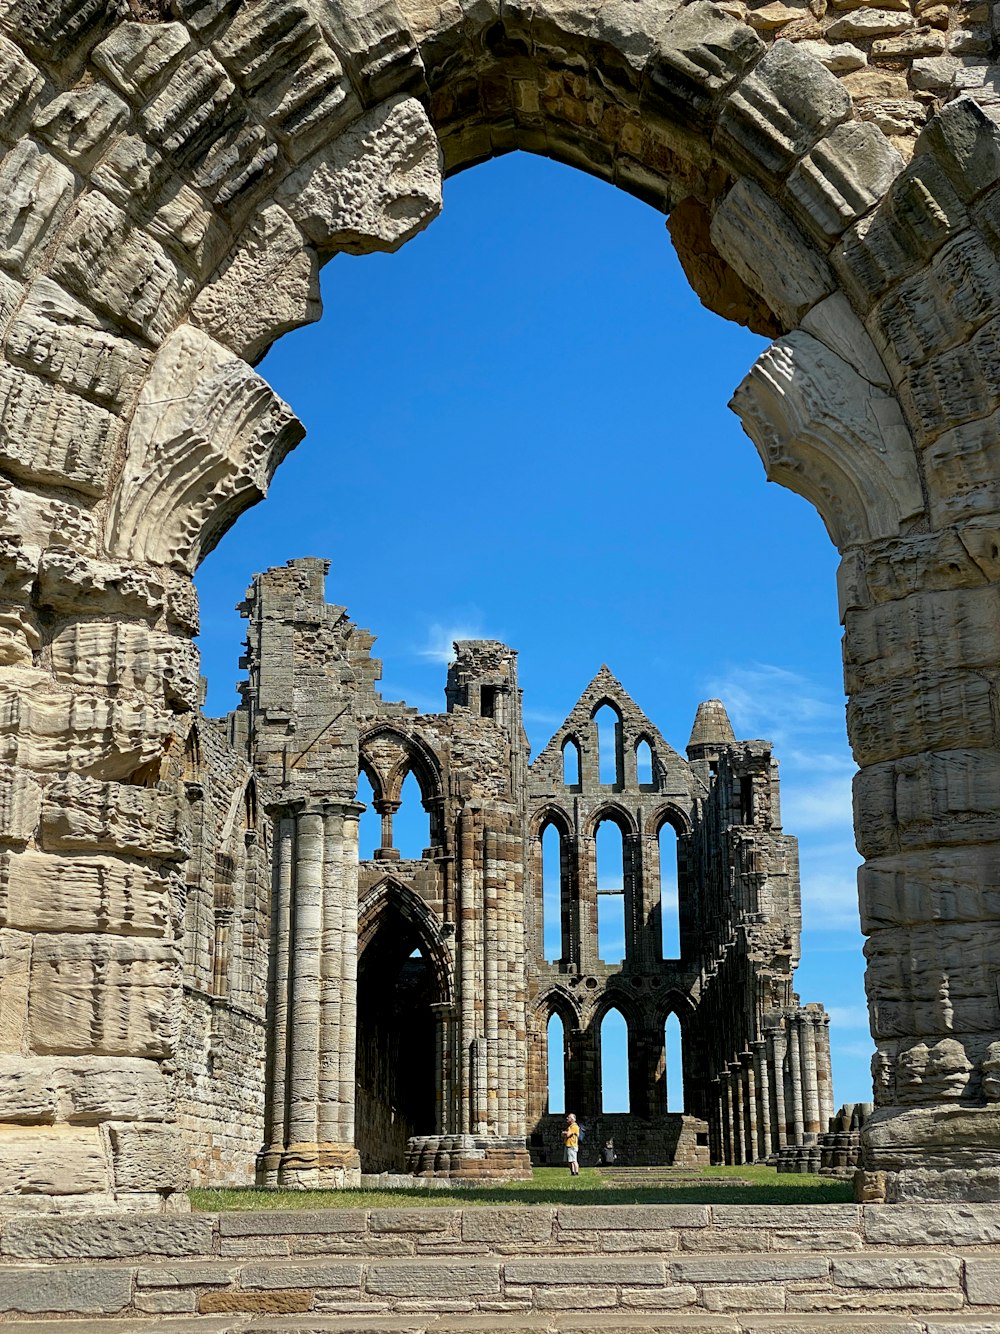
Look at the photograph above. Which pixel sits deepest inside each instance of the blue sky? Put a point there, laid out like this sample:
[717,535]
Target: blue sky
[517,429]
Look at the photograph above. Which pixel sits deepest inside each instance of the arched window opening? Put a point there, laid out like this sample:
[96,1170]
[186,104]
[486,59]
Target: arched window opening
[746,800]
[644,763]
[555,1038]
[192,757]
[670,921]
[610,893]
[571,763]
[411,823]
[608,722]
[675,1064]
[370,824]
[614,1063]
[552,906]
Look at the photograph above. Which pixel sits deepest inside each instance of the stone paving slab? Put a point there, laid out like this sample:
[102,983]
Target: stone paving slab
[38,1237]
[532,1323]
[194,1325]
[932,1224]
[278,1222]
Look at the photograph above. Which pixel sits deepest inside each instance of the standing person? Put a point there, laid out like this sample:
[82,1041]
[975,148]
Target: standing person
[571,1138]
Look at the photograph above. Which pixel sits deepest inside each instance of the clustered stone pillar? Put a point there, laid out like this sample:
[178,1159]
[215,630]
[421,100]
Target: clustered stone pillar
[309,1127]
[920,654]
[490,1065]
[778,1094]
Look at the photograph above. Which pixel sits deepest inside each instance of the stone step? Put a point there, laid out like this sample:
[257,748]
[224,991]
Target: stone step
[609,1269]
[647,1178]
[534,1323]
[801,1290]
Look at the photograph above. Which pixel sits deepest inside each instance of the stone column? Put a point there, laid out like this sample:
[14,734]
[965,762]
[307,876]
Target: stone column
[652,934]
[810,1082]
[715,1151]
[493,938]
[312,1011]
[736,1088]
[338,975]
[469,912]
[444,1017]
[479,1086]
[795,1076]
[778,1046]
[726,1119]
[764,1145]
[387,809]
[824,1070]
[749,1081]
[920,657]
[636,949]
[220,951]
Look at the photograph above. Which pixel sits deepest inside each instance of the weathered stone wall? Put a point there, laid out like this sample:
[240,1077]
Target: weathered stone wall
[220,1046]
[170,184]
[725,1268]
[671,1140]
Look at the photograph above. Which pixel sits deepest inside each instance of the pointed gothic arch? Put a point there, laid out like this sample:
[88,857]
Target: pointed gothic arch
[756,149]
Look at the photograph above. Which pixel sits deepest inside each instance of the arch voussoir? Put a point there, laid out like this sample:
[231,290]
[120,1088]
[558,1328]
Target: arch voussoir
[168,191]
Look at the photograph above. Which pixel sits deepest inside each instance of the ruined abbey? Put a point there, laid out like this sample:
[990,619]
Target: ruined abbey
[173,173]
[407,1002]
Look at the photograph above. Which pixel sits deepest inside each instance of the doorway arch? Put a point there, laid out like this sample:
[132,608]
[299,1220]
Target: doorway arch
[791,210]
[404,989]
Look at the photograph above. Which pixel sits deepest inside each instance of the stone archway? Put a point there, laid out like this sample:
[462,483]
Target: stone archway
[170,185]
[403,988]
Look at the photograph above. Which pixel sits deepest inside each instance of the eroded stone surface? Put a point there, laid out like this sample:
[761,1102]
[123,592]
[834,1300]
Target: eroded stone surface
[169,184]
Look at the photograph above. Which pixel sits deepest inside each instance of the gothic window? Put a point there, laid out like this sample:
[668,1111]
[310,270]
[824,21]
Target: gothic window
[610,892]
[669,904]
[643,763]
[675,1064]
[614,1062]
[608,722]
[552,905]
[555,1040]
[411,824]
[571,763]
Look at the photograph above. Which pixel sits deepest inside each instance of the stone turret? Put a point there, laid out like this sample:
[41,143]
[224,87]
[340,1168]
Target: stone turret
[711,733]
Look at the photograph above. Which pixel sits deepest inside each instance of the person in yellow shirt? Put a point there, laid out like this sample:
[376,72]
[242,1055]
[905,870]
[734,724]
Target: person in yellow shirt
[571,1138]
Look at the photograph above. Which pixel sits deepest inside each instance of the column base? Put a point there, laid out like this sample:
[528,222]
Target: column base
[469,1157]
[942,1153]
[330,1166]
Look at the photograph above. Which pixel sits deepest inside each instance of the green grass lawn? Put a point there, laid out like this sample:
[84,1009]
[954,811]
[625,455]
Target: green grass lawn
[550,1185]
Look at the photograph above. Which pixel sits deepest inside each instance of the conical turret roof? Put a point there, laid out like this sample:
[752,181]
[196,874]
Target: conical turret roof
[711,726]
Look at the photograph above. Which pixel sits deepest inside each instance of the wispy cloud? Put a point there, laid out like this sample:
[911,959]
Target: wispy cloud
[830,895]
[856,1050]
[824,803]
[766,700]
[542,718]
[440,641]
[849,1016]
